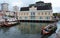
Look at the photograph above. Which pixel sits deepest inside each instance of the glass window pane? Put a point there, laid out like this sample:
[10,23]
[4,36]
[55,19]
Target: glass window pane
[32,13]
[25,17]
[20,17]
[41,17]
[47,17]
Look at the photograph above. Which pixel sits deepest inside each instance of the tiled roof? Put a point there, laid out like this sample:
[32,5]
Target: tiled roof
[40,6]
[24,9]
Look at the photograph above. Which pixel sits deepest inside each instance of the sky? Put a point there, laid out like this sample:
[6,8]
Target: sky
[24,3]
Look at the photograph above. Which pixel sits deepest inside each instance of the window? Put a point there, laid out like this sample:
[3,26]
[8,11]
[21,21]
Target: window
[47,17]
[27,13]
[33,13]
[21,13]
[49,13]
[32,17]
[41,17]
[20,17]
[25,17]
[45,13]
[42,13]
[24,13]
[38,13]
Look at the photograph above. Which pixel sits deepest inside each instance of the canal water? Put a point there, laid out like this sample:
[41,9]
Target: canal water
[25,30]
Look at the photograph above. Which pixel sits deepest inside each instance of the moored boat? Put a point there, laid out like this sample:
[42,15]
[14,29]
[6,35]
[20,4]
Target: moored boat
[49,29]
[10,22]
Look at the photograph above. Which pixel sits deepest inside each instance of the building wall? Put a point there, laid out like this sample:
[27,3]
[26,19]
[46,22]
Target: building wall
[9,13]
[23,15]
[16,9]
[34,14]
[4,6]
[44,14]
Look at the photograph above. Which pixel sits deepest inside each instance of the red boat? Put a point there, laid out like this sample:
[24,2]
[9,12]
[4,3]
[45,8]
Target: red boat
[48,29]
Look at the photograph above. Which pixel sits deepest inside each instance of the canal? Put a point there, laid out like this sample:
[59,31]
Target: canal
[25,30]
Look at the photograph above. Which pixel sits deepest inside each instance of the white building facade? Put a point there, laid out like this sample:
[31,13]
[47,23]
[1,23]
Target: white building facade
[38,11]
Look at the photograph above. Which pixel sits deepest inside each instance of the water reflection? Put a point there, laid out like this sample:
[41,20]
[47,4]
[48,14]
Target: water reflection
[23,30]
[31,28]
[49,36]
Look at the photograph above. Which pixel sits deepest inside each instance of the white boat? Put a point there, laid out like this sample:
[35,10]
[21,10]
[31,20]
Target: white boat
[10,22]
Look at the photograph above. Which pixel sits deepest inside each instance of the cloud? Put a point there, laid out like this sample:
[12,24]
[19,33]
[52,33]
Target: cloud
[56,9]
[17,3]
[27,2]
[24,3]
[55,3]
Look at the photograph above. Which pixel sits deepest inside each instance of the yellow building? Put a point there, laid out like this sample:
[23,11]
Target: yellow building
[37,11]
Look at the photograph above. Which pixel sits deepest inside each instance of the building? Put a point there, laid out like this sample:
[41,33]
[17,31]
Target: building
[15,8]
[4,6]
[16,11]
[37,11]
[5,10]
[9,13]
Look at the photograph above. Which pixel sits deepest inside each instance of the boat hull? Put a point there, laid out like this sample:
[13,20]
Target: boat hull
[43,32]
[9,24]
